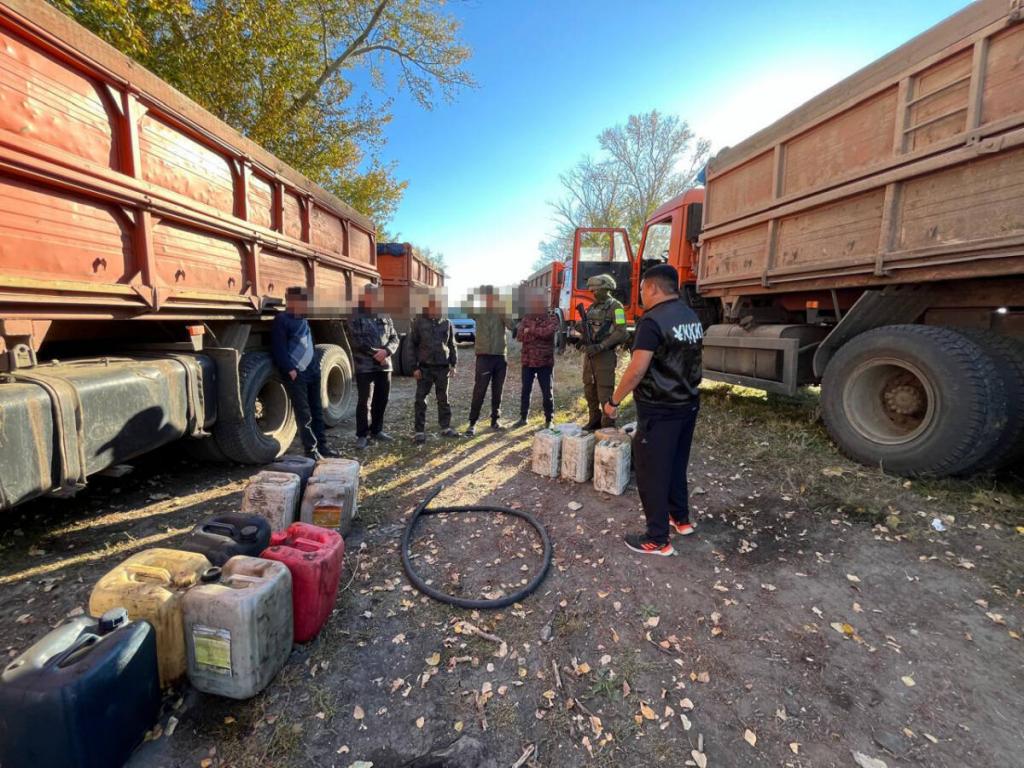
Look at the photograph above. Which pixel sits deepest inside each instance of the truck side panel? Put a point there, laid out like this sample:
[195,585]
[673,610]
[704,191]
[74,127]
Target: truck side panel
[914,177]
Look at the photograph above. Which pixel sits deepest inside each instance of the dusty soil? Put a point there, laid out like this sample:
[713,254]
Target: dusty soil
[814,614]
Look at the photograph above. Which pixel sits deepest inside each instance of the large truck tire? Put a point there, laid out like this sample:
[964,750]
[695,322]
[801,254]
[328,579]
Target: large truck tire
[1008,354]
[402,362]
[337,388]
[915,400]
[268,427]
[204,450]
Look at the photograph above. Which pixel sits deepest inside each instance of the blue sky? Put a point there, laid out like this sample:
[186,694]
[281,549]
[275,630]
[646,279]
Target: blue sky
[553,74]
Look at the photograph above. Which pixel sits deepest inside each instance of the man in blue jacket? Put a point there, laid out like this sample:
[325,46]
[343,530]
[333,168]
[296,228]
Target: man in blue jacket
[291,344]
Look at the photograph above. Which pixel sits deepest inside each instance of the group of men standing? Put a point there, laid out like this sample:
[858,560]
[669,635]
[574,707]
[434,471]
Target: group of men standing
[663,376]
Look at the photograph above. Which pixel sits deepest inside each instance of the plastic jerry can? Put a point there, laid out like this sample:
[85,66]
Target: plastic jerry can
[150,585]
[238,630]
[302,466]
[346,470]
[611,433]
[221,537]
[314,556]
[274,495]
[578,457]
[82,697]
[329,502]
[611,466]
[547,452]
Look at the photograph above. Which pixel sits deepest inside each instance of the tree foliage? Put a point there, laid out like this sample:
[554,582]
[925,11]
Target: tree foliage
[642,164]
[283,73]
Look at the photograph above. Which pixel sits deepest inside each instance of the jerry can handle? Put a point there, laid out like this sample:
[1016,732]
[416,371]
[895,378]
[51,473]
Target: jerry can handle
[307,545]
[224,529]
[148,571]
[65,658]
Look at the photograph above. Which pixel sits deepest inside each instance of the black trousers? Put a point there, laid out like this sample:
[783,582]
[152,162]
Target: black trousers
[433,377]
[490,370]
[304,393]
[661,452]
[543,375]
[380,383]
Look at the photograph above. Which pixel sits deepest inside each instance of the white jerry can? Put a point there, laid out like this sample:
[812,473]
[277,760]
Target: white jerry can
[611,466]
[578,457]
[547,452]
[329,502]
[345,470]
[238,631]
[273,495]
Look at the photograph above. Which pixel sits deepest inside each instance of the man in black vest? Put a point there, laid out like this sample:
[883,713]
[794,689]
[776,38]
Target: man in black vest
[663,375]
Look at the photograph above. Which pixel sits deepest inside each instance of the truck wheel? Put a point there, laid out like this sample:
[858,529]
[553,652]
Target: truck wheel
[204,450]
[336,390]
[269,424]
[914,400]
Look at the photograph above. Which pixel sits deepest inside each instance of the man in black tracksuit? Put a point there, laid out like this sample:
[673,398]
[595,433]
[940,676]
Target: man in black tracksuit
[374,341]
[663,375]
[433,347]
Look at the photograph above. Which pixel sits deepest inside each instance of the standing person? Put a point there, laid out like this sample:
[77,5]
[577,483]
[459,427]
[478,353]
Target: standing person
[433,347]
[491,363]
[607,320]
[374,341]
[663,375]
[291,346]
[536,332]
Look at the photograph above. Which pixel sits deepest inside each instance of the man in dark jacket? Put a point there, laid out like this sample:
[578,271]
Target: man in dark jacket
[291,346]
[536,332]
[433,346]
[374,341]
[663,375]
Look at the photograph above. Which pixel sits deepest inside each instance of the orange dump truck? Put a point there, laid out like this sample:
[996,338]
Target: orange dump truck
[872,242]
[144,248]
[549,279]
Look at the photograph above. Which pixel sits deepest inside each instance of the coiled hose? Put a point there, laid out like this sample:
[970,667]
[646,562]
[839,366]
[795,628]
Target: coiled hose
[462,602]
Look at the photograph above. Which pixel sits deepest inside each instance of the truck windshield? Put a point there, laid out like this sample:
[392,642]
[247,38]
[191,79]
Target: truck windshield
[604,253]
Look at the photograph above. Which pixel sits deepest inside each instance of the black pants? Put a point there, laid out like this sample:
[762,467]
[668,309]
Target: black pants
[433,377]
[490,370]
[380,383]
[661,451]
[543,375]
[304,393]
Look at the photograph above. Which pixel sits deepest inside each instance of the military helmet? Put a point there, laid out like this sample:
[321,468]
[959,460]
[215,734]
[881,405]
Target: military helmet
[601,281]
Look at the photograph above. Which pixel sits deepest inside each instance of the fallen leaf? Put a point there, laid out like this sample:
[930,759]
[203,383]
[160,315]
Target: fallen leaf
[398,639]
[794,747]
[419,722]
[842,629]
[931,738]
[703,677]
[459,726]
[686,704]
[652,622]
[864,761]
[908,681]
[549,695]
[852,578]
[750,737]
[434,659]
[358,713]
[699,758]
[686,722]
[647,712]
[996,617]
[582,669]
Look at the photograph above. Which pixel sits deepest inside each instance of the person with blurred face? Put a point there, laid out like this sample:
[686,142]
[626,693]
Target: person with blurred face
[374,340]
[491,362]
[536,332]
[434,350]
[291,346]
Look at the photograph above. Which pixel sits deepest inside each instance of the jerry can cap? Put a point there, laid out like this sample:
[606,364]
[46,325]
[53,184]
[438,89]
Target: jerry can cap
[113,619]
[210,575]
[249,532]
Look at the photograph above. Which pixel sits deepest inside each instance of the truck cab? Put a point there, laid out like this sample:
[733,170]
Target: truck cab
[669,237]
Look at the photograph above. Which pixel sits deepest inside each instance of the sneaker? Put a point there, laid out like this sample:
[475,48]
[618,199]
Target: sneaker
[382,436]
[683,529]
[640,542]
[471,431]
[362,442]
[519,424]
[449,432]
[419,438]
[329,453]
[497,426]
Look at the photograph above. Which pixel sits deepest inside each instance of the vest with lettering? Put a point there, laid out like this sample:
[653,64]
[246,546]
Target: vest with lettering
[675,371]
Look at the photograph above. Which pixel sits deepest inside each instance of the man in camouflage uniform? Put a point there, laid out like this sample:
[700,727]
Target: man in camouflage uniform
[607,320]
[433,346]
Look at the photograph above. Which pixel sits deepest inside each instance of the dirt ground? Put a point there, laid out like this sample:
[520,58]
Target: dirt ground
[815,614]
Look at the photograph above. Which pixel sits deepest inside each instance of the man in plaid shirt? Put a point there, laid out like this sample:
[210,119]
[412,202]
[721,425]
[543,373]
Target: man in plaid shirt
[536,332]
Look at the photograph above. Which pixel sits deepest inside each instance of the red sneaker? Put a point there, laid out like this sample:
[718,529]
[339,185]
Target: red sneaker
[683,529]
[640,542]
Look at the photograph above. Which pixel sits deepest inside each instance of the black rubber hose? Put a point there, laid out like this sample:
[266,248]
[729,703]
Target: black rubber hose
[462,602]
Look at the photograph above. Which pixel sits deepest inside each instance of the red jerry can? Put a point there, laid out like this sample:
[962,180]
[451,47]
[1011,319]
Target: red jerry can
[314,556]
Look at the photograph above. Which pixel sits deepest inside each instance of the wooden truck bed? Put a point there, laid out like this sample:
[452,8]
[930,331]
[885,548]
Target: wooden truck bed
[121,198]
[910,170]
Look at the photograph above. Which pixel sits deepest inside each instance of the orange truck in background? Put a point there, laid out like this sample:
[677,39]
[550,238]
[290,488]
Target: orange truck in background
[405,280]
[872,242]
[549,279]
[145,246]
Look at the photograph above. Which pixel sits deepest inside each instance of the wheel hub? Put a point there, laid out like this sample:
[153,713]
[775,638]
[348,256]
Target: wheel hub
[905,399]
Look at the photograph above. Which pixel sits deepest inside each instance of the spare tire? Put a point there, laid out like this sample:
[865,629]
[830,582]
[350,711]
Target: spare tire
[268,426]
[914,400]
[337,392]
